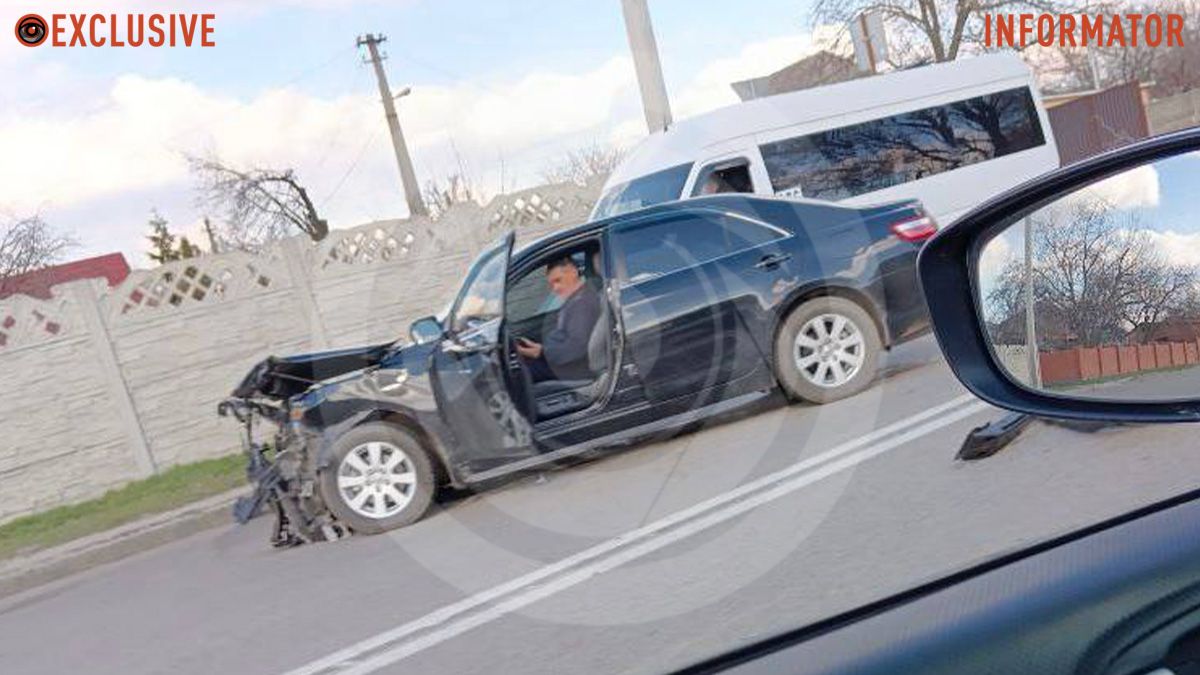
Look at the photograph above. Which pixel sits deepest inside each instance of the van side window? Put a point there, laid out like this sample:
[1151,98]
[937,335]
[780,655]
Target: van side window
[666,246]
[723,177]
[847,161]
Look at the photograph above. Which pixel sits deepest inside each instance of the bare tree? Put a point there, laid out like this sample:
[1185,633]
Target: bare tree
[584,164]
[1097,276]
[1070,68]
[28,244]
[928,30]
[457,188]
[260,205]
[1177,69]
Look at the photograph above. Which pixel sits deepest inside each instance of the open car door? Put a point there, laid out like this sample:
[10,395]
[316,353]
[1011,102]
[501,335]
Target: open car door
[468,369]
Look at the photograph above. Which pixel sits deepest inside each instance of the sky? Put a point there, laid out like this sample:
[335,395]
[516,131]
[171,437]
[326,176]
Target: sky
[1158,196]
[95,138]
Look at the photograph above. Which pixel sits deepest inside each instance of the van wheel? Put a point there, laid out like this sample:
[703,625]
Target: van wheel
[827,349]
[379,478]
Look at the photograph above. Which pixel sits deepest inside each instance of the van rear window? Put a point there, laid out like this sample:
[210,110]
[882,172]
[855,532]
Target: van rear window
[852,160]
[639,193]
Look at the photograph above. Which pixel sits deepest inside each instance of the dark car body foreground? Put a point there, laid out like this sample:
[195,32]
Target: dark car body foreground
[687,344]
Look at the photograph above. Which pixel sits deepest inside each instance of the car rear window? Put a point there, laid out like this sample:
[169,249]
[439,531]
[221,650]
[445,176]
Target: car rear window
[639,193]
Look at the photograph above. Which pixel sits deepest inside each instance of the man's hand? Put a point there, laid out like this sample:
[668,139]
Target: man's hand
[528,348]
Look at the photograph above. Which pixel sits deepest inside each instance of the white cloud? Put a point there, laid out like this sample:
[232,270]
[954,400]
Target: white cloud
[710,88]
[1131,189]
[995,256]
[1179,248]
[135,138]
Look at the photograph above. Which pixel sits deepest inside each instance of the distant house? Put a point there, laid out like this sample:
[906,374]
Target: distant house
[1052,327]
[1171,330]
[811,71]
[112,268]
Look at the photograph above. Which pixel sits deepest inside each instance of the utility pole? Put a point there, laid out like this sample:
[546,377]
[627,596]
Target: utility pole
[408,177]
[645,61]
[213,246]
[1031,342]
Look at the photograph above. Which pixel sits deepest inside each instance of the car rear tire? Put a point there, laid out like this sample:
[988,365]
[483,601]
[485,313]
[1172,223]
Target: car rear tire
[379,478]
[827,349]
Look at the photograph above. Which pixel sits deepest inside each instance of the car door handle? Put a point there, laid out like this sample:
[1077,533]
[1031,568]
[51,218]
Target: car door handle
[771,261]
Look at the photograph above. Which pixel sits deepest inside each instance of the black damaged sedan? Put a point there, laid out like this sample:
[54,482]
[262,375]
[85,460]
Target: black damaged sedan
[698,308]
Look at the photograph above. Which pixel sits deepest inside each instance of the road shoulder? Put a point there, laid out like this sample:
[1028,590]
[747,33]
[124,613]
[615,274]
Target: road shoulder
[22,573]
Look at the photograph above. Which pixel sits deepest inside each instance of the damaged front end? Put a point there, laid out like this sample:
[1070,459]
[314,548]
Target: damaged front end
[281,462]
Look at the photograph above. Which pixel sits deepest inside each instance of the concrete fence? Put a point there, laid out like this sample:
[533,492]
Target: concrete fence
[103,386]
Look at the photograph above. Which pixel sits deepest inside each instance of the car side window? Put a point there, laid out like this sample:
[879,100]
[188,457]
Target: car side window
[481,299]
[662,247]
[728,176]
[530,295]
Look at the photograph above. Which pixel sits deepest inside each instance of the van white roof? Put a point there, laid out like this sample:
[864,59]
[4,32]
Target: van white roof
[688,140]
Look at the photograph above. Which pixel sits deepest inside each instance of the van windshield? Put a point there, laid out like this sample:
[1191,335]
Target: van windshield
[639,193]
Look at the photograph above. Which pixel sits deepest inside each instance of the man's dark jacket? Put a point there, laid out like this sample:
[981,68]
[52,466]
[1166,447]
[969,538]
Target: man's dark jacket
[565,349]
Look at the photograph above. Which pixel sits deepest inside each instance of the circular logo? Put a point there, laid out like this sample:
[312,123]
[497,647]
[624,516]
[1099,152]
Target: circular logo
[31,30]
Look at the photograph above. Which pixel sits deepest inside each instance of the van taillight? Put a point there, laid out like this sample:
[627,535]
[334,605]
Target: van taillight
[916,228]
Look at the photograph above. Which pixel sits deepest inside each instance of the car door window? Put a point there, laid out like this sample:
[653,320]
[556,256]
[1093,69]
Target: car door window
[482,298]
[726,176]
[662,247]
[530,297]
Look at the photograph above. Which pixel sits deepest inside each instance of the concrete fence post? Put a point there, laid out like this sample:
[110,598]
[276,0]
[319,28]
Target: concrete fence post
[87,298]
[293,257]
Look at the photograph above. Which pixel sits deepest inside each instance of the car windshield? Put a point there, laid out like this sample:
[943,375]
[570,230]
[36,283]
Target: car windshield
[635,438]
[639,193]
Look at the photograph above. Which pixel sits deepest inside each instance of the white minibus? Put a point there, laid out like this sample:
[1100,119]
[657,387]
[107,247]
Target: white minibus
[950,135]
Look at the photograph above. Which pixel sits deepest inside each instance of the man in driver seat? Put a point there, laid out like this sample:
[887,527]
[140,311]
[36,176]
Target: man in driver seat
[563,355]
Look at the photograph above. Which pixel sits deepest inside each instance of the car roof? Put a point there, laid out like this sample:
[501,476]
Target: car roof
[739,203]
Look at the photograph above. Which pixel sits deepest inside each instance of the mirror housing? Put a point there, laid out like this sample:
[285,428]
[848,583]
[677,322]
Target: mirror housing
[947,267]
[426,329]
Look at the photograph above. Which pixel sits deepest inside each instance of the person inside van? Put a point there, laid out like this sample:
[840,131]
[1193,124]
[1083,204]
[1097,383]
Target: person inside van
[730,179]
[563,355]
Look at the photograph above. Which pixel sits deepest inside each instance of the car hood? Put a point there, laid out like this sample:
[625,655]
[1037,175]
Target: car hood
[283,377]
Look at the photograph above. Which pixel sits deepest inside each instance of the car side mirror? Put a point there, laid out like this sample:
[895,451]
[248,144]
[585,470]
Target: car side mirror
[1077,295]
[424,330]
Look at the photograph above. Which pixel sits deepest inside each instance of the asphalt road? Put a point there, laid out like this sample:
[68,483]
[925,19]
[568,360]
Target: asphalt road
[643,561]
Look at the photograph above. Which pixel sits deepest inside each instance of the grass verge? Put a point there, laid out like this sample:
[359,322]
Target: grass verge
[170,489]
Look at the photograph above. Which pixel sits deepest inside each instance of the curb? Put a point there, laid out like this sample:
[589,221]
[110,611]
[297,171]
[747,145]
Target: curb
[41,567]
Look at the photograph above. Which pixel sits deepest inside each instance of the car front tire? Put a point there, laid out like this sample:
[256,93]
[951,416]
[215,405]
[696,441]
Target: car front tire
[826,349]
[379,478]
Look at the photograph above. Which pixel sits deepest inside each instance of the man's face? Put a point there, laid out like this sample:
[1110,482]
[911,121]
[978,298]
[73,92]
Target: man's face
[563,280]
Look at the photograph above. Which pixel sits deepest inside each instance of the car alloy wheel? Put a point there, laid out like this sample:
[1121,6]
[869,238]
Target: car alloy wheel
[829,350]
[376,479]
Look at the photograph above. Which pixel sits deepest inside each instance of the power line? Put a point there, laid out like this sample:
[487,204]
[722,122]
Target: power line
[353,165]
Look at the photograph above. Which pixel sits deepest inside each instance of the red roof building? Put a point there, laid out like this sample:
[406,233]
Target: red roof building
[112,268]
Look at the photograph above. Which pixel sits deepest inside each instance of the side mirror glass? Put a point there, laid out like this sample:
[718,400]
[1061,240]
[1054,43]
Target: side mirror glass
[425,329]
[1095,294]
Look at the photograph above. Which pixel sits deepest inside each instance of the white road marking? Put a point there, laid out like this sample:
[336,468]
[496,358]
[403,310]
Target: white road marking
[543,582]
